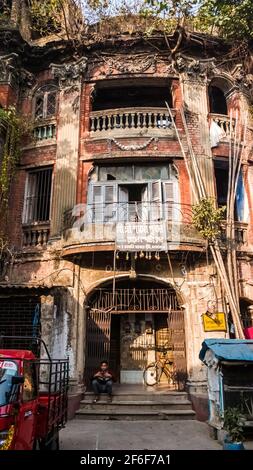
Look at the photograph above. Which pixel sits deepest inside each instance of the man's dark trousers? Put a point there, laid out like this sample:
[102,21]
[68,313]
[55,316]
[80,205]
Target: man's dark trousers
[102,387]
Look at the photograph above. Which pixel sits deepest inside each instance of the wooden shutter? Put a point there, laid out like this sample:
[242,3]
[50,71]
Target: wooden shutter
[156,200]
[97,203]
[109,202]
[144,204]
[123,205]
[29,214]
[168,199]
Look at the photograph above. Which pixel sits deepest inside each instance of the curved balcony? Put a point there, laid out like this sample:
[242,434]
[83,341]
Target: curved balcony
[124,122]
[96,227]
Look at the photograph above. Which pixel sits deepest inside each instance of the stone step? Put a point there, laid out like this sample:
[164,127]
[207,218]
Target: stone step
[135,415]
[142,396]
[119,406]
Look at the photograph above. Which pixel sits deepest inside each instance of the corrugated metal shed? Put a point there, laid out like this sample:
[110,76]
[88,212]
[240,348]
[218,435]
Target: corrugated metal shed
[228,349]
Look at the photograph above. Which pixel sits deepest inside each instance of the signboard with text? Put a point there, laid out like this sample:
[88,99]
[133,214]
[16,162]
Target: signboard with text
[214,322]
[141,236]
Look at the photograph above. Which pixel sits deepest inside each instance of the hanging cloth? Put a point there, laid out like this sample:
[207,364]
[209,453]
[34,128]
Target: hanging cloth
[216,134]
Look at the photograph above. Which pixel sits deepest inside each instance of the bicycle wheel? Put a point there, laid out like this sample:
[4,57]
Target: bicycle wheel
[151,375]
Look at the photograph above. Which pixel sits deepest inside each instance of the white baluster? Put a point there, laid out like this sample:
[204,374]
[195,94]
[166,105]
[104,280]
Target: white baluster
[132,120]
[34,241]
[121,123]
[138,124]
[39,237]
[92,124]
[149,120]
[110,121]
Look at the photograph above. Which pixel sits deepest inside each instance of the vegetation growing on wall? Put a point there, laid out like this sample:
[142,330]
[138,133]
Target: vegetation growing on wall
[11,130]
[207,218]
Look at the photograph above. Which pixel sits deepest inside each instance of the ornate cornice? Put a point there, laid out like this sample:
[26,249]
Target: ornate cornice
[242,79]
[9,70]
[132,64]
[12,74]
[69,74]
[194,69]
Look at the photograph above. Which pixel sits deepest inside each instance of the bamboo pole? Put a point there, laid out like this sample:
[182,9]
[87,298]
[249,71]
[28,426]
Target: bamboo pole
[183,153]
[237,174]
[199,180]
[196,179]
[228,218]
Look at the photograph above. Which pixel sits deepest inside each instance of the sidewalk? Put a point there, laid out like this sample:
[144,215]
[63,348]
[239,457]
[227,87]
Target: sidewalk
[136,435]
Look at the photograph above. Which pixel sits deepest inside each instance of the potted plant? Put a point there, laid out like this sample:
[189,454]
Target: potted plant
[233,425]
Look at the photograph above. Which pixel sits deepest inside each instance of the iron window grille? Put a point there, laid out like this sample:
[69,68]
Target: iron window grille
[38,196]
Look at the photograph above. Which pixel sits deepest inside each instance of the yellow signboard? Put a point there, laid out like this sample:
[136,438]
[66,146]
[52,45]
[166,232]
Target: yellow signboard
[214,322]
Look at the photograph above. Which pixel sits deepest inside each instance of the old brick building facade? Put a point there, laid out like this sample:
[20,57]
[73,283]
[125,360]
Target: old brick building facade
[104,152]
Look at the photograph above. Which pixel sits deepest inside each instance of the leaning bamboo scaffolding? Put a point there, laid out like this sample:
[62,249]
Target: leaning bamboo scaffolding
[235,161]
[199,190]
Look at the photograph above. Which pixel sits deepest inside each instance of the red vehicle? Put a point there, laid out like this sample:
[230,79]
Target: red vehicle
[33,399]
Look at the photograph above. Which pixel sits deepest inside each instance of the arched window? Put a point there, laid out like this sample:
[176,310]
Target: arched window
[45,102]
[217,100]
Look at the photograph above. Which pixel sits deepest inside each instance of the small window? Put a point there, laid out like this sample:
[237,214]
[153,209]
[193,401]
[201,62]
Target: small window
[45,103]
[30,390]
[38,196]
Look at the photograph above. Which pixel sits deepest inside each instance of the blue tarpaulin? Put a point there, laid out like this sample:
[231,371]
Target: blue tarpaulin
[228,349]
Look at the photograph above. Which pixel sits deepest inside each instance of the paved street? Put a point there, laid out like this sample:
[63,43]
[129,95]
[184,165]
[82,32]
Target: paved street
[137,435]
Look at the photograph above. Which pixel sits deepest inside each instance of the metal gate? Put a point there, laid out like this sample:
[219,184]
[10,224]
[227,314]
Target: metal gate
[156,301]
[176,327]
[97,341]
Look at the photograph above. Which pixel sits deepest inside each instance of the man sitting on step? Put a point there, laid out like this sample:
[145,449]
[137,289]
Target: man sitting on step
[102,382]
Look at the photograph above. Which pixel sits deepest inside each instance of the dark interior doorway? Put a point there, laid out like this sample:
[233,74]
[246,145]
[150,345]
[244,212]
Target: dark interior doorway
[221,180]
[135,192]
[134,94]
[217,101]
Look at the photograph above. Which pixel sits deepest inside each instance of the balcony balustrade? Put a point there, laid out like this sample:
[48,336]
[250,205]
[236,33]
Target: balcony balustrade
[240,235]
[132,120]
[36,235]
[44,131]
[224,123]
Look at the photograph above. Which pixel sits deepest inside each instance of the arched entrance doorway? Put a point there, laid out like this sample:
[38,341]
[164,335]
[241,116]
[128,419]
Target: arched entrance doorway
[131,325]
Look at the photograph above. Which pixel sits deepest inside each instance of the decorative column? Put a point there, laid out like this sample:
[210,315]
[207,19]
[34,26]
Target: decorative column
[193,77]
[9,79]
[47,318]
[67,154]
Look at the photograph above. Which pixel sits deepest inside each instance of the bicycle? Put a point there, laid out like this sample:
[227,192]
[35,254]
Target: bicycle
[153,372]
